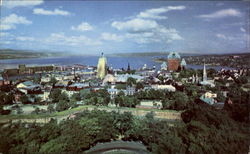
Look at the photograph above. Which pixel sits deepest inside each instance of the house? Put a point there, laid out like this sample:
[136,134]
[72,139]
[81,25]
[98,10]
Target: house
[28,87]
[210,95]
[164,87]
[122,78]
[130,90]
[113,91]
[210,98]
[150,105]
[77,86]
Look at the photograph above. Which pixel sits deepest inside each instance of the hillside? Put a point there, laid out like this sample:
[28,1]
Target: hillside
[19,54]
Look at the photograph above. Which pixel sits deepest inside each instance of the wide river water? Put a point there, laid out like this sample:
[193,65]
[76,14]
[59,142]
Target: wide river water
[115,62]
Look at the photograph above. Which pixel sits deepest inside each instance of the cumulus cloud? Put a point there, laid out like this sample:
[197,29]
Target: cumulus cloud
[225,37]
[111,37]
[4,34]
[242,29]
[42,11]
[84,26]
[62,39]
[10,22]
[221,14]
[146,31]
[25,38]
[144,28]
[160,35]
[135,25]
[155,12]
[21,3]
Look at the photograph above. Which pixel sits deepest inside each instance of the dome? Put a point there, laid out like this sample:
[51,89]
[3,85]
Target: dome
[174,55]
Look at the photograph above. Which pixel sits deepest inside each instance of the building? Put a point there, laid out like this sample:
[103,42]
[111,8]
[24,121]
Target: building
[130,90]
[22,69]
[163,87]
[102,67]
[173,61]
[183,64]
[205,81]
[164,66]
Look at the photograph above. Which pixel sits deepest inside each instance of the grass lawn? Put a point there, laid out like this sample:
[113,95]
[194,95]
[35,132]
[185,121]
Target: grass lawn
[74,110]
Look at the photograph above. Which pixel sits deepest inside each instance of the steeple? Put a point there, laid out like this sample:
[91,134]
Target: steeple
[204,73]
[128,69]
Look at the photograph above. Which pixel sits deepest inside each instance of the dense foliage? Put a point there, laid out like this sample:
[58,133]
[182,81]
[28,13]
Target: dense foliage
[204,130]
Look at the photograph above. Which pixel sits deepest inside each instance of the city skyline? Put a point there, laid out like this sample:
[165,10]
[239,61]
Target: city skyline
[119,27]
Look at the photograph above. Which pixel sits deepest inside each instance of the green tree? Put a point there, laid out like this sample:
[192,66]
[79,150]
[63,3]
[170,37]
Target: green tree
[55,95]
[62,105]
[51,108]
[131,81]
[53,80]
[24,99]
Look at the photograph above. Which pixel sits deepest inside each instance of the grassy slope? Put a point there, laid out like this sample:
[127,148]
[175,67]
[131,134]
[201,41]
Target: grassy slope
[77,109]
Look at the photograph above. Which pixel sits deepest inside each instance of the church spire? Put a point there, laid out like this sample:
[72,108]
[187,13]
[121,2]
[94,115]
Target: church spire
[204,73]
[128,69]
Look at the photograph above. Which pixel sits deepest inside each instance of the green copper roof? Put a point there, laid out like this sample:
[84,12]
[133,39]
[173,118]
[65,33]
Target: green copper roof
[183,62]
[174,55]
[164,64]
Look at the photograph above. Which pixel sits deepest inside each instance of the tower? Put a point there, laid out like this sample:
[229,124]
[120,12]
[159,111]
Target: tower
[173,61]
[102,67]
[183,64]
[204,73]
[164,66]
[128,69]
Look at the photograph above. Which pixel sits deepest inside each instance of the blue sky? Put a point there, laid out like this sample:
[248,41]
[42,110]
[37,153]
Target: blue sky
[117,27]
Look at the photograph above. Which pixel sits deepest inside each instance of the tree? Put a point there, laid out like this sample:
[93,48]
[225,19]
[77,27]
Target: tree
[131,81]
[24,99]
[62,105]
[53,80]
[51,108]
[139,86]
[76,97]
[55,94]
[37,79]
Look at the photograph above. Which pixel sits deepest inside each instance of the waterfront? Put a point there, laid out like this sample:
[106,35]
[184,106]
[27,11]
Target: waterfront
[113,61]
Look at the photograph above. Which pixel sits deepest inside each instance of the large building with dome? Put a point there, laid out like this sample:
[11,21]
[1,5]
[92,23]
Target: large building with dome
[174,62]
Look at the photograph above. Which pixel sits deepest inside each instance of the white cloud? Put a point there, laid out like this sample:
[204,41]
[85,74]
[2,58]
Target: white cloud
[7,27]
[24,38]
[84,26]
[146,31]
[221,14]
[10,22]
[41,11]
[21,3]
[6,42]
[225,37]
[4,34]
[111,37]
[160,35]
[62,39]
[242,29]
[135,25]
[155,12]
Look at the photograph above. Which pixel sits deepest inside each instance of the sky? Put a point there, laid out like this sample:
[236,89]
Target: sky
[92,27]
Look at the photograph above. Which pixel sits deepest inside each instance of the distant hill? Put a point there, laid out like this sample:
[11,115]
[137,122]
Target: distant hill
[146,54]
[19,54]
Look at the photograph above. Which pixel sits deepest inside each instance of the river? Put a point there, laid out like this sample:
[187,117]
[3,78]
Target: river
[115,62]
